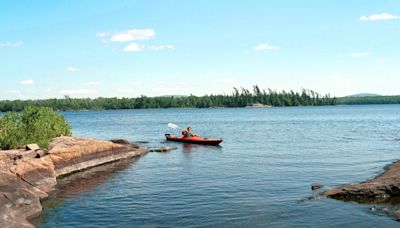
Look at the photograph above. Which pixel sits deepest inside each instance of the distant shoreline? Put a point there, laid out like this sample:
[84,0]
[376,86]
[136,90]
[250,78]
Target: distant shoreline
[183,108]
[239,98]
[213,101]
[354,100]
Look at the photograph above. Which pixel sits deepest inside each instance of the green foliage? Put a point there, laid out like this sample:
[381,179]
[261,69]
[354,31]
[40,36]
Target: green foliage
[32,125]
[239,98]
[369,100]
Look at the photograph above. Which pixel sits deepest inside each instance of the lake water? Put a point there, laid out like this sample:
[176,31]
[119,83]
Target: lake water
[260,176]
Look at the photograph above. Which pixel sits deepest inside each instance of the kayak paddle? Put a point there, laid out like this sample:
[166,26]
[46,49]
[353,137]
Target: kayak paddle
[174,126]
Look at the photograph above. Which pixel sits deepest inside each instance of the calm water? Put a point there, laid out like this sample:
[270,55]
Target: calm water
[260,176]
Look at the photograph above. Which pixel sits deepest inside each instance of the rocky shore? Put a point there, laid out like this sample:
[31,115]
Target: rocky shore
[27,176]
[379,189]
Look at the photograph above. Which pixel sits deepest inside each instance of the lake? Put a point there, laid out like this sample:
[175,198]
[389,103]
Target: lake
[260,176]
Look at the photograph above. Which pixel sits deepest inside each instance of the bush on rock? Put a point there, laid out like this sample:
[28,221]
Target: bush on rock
[32,125]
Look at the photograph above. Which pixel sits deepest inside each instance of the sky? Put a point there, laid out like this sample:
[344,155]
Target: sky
[130,48]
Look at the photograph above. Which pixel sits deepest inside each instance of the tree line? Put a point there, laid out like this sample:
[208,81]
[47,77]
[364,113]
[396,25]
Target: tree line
[238,98]
[369,100]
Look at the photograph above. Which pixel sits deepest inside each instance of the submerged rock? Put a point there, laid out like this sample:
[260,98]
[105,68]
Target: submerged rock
[315,186]
[120,141]
[142,142]
[396,214]
[163,149]
[124,142]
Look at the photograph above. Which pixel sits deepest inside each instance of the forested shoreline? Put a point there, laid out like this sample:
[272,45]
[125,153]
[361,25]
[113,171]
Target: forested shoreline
[368,100]
[239,98]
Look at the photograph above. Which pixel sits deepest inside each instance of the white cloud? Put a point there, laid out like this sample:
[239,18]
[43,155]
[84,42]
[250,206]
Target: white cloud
[360,54]
[162,47]
[92,83]
[381,60]
[133,47]
[11,44]
[133,34]
[262,47]
[101,34]
[78,92]
[121,90]
[27,82]
[378,17]
[71,69]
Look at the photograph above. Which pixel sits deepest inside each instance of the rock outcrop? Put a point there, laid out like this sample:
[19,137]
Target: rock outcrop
[74,154]
[380,188]
[163,149]
[27,176]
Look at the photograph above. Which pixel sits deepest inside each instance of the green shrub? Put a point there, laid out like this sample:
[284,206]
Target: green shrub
[32,125]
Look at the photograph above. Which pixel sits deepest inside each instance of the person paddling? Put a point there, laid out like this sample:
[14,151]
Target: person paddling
[188,132]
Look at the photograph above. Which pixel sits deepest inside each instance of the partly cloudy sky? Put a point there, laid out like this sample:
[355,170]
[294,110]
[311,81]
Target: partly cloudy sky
[129,48]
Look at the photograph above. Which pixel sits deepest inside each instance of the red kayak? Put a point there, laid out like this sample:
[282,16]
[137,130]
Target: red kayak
[193,139]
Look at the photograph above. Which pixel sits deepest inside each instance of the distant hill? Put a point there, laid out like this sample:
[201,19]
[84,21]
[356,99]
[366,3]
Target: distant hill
[364,95]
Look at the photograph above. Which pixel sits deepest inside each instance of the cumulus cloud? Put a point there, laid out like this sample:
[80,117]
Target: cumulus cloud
[162,47]
[133,47]
[263,47]
[360,54]
[78,92]
[27,82]
[16,44]
[71,69]
[133,34]
[379,17]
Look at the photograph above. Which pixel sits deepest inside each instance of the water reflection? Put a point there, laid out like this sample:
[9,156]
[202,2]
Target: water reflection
[188,147]
[79,184]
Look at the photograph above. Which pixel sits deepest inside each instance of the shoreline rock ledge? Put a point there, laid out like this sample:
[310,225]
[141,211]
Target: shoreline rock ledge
[379,189]
[27,179]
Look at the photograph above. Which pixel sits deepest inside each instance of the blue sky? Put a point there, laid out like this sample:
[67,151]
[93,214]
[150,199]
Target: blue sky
[128,48]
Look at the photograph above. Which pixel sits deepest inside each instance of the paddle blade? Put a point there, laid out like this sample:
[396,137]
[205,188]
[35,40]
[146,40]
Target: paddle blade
[173,126]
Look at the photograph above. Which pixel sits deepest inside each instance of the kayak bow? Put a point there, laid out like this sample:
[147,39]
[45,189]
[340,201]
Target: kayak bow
[193,139]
